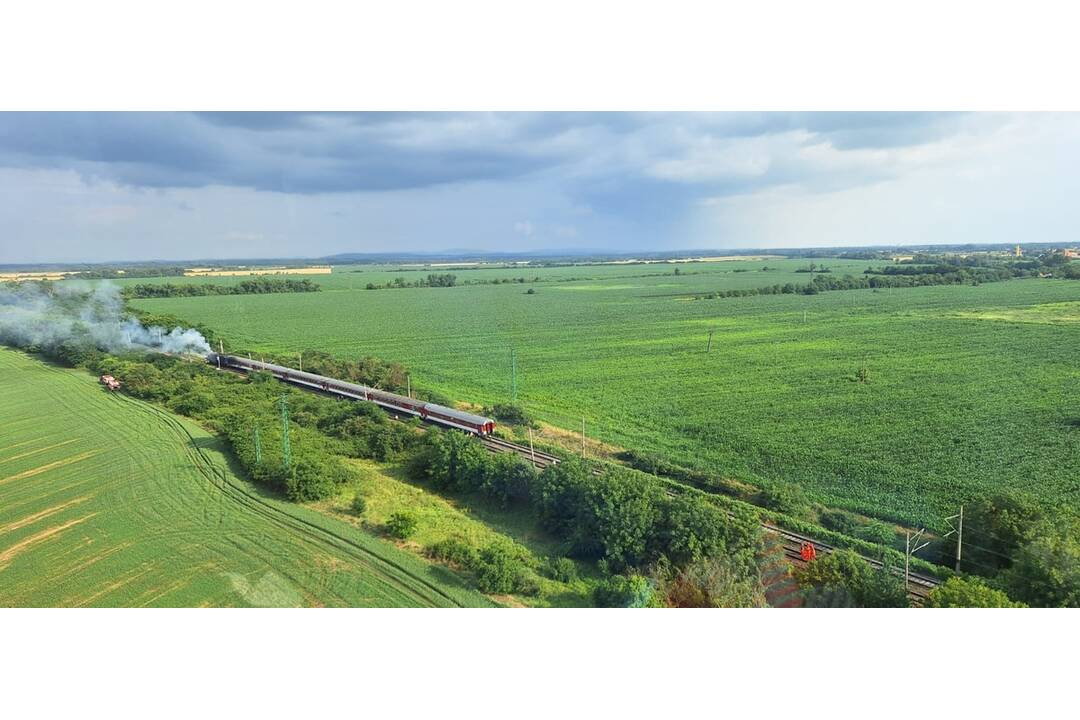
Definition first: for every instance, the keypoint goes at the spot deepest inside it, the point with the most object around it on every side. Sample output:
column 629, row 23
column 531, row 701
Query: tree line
column 254, row 286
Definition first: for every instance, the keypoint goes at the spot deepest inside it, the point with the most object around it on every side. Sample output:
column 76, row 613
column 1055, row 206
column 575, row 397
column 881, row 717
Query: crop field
column 107, row 501
column 966, row 388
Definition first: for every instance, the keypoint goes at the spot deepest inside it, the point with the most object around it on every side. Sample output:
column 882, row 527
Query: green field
column 108, row 501
column 971, row 388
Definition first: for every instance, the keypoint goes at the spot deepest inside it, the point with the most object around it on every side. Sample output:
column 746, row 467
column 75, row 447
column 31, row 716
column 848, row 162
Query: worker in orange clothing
column 808, row 552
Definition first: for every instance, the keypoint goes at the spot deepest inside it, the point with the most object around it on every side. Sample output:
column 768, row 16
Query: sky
column 101, row 187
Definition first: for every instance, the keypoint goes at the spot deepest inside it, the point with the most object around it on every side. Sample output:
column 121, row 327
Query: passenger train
column 431, row 412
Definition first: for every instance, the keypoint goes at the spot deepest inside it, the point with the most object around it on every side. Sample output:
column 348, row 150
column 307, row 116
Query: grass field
column 971, row 388
column 107, row 501
column 471, row 520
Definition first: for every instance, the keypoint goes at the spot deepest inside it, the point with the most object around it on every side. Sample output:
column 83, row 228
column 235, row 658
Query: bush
column 509, row 414
column 359, row 505
column 314, row 477
column 714, row 582
column 844, row 574
column 402, row 525
column 876, row 532
column 961, row 592
column 1046, row 572
column 507, row 478
column 562, row 569
column 454, row 552
column 839, row 521
column 526, row 582
column 785, row 498
column 497, row 569
column 620, row 591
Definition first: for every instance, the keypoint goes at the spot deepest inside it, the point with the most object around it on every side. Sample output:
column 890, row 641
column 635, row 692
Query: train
column 439, row 414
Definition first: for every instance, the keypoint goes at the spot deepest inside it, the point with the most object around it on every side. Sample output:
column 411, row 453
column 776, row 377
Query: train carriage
column 392, row 402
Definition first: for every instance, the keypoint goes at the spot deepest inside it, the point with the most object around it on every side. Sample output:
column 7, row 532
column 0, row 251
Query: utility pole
column 709, row 346
column 582, row 437
column 258, row 447
column 301, row 356
column 513, row 376
column 286, row 454
column 221, row 346
column 408, row 386
column 959, row 530
column 532, row 451
column 911, row 546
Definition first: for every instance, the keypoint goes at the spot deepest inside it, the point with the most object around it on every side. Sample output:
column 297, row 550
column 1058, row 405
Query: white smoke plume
column 89, row 314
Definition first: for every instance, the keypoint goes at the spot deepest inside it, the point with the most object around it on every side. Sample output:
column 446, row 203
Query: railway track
column 919, row 586
column 538, row 458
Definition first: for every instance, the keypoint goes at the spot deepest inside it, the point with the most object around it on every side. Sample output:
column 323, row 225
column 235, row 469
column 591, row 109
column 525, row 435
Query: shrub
column 314, row 477
column 621, row 591
column 785, row 498
column 1046, row 572
column 509, row 413
column 454, row 552
column 562, row 569
column 844, row 574
column 402, row 524
column 455, row 461
column 526, row 582
column 359, row 505
column 714, row 582
column 507, row 478
column 960, row 592
column 876, row 532
column 862, row 375
column 496, row 569
column 839, row 521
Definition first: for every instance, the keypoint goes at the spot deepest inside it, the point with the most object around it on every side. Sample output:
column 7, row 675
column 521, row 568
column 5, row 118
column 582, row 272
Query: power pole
column 709, row 346
column 286, row 454
column 408, row 386
column 911, row 546
column 258, row 447
column 532, row 451
column 582, row 437
column 959, row 530
column 221, row 346
column 513, row 376
column 301, row 356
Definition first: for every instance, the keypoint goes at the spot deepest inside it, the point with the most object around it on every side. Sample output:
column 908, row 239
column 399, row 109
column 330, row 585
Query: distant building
column 1019, row 252
column 1071, row 253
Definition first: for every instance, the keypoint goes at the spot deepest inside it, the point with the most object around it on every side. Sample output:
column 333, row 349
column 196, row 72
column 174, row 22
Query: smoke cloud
column 87, row 314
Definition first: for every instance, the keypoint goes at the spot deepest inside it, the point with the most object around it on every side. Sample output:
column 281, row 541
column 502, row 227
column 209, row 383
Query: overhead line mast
column 286, row 453
column 959, row 530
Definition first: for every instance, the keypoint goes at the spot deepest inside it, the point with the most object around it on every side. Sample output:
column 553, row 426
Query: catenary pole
column 286, row 454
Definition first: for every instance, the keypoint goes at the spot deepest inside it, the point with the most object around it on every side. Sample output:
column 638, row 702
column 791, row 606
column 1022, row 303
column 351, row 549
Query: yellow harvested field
column 20, row 276
column 207, row 272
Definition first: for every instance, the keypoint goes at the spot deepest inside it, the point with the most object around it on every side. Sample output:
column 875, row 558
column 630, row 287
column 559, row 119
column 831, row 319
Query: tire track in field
column 306, row 530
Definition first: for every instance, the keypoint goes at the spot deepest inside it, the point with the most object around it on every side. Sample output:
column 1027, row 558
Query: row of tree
column 254, row 286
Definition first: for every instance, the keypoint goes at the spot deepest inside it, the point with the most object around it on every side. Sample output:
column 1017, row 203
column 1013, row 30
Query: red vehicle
column 110, row 382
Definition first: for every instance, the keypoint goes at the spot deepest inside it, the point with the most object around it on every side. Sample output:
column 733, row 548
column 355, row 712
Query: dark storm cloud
column 311, row 153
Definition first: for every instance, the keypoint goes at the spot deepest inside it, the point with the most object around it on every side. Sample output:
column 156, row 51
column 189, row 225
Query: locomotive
column 440, row 414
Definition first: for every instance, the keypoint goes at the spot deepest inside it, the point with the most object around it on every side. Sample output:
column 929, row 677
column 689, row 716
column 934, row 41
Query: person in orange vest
column 808, row 551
